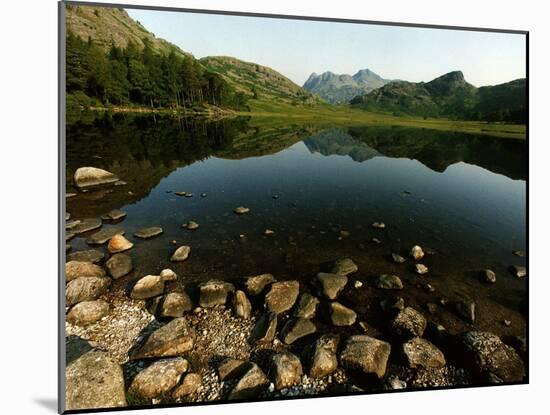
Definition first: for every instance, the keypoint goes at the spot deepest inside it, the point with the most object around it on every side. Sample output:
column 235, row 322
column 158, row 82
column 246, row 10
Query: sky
column 297, row 48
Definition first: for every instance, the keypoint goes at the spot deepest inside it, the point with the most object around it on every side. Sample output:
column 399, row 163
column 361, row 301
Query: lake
column 319, row 189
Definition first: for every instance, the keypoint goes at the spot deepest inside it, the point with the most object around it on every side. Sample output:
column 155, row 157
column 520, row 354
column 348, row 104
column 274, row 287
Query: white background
column 28, row 163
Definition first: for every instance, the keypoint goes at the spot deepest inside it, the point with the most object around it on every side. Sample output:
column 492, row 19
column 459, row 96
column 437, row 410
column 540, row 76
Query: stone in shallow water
column 366, row 354
column 94, row 381
column 489, row 276
column 88, row 312
column 176, row 304
column 159, row 378
column 86, row 289
column 307, row 306
column 214, row 292
column 419, row 352
column 150, row 232
column 91, row 255
column 241, row 210
column 147, row 287
column 241, row 305
column 398, row 259
column 87, row 225
column 77, row 269
column 191, row 225
column 168, row 275
column 331, row 284
column 256, row 284
column 296, row 329
column 71, row 224
column 86, row 177
column 265, row 328
column 104, row 235
column 173, row 339
column 389, row 282
column 286, row 370
column 379, row 225
column 421, row 269
column 115, row 214
column 181, row 254
column 519, row 271
column 409, row 323
column 417, row 253
column 322, row 356
column 344, row 266
column 519, row 253
column 341, row 315
column 250, row 385
column 119, row 243
column 282, row 296
column 119, row 265
column 466, row 310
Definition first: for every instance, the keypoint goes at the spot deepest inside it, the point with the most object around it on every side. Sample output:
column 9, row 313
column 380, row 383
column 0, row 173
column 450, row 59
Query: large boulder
column 77, row 269
column 286, row 370
column 420, row 352
column 409, row 323
column 118, row 243
column 256, row 284
column 341, row 315
column 250, row 385
column 282, row 296
column 296, row 329
column 307, row 306
column 87, row 177
column 147, row 287
column 265, row 328
column 172, row 339
column 88, row 312
column 366, row 354
column 322, row 356
column 86, row 289
column 331, row 284
column 485, row 353
column 175, row 304
column 119, row 265
column 94, row 381
column 344, row 266
column 241, row 305
column 104, row 235
column 159, row 378
column 214, row 292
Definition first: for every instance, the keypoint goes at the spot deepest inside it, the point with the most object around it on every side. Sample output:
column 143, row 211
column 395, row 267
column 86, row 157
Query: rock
column 389, row 282
column 180, row 193
column 519, row 253
column 366, row 354
column 69, row 236
column 67, row 216
column 69, row 195
column 214, row 293
column 94, row 381
column 392, row 304
column 115, row 214
column 86, row 177
column 91, row 255
column 241, row 305
column 488, row 276
column 331, row 284
column 341, row 315
column 379, row 225
column 88, row 312
column 376, row 241
column 181, row 254
column 233, row 368
column 286, row 370
column 120, row 183
column 147, row 287
column 87, row 225
column 394, row 383
column 269, row 232
column 150, row 232
column 408, row 323
column 250, row 384
column 507, row 323
column 419, row 352
column 119, row 265
column 264, row 329
column 296, row 329
column 159, row 378
column 398, row 259
column 344, row 234
column 173, row 339
column 322, row 356
column 71, row 224
column 307, row 306
column 256, row 284
column 282, row 296
column 77, row 269
column 175, row 304
column 417, row 253
column 188, row 194
column 191, row 225
column 203, row 195
column 357, row 284
column 119, row 243
column 86, row 289
column 466, row 310
column 168, row 275
column 344, row 266
column 487, row 354
column 190, row 384
column 421, row 269
column 519, row 271
column 241, row 210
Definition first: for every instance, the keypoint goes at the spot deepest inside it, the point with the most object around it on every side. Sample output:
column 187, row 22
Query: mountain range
column 341, row 88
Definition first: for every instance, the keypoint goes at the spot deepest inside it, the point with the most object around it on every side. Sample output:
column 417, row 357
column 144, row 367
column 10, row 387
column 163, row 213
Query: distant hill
column 257, row 81
column 448, row 96
column 341, row 88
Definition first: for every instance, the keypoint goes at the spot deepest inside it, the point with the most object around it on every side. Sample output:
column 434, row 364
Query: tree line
column 140, row 76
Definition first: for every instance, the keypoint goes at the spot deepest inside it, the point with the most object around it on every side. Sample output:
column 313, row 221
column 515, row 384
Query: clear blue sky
column 298, row 48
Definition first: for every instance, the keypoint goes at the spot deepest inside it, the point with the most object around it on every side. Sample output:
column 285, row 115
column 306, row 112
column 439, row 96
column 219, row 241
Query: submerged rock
column 175, row 304
column 241, row 210
column 86, row 289
column 77, row 269
column 91, row 255
column 250, row 385
column 466, row 310
column 296, row 329
column 282, row 296
column 366, row 354
column 417, row 253
column 181, row 254
column 398, row 259
column 94, row 381
column 87, row 177
column 147, row 287
column 214, row 292
column 159, row 378
column 322, row 356
column 286, row 370
column 307, row 306
column 488, row 276
column 191, row 225
column 173, row 339
column 341, row 315
column 115, row 214
column 88, row 312
column 264, row 329
column 256, row 284
column 344, row 266
column 519, row 271
column 421, row 353
column 389, row 282
column 409, row 323
column 379, row 225
column 519, row 253
column 150, row 232
column 118, row 243
column 86, row 225
column 241, row 305
column 331, row 284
